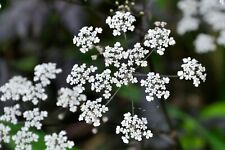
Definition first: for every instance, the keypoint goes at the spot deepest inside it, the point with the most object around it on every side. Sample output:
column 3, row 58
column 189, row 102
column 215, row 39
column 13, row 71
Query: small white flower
column 158, row 39
column 113, row 55
column 187, row 24
column 192, row 70
column 92, row 111
column 204, row 43
column 4, row 134
column 86, row 38
column 121, row 22
column 155, row 86
column 19, row 88
column 44, row 72
column 24, row 139
column 16, row 88
column 80, row 75
column 134, row 128
column 34, row 118
column 136, row 56
column 58, row 141
column 103, row 82
column 188, row 7
column 71, row 98
column 11, row 113
column 124, row 75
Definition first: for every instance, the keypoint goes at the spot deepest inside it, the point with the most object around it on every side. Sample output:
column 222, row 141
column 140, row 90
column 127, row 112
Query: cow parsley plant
column 121, row 64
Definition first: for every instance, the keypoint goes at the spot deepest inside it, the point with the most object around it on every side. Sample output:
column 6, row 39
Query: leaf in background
column 214, row 141
column 161, row 3
column 214, row 110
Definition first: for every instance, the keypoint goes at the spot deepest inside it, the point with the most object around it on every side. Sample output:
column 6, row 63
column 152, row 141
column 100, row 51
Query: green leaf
column 214, row 110
column 215, row 142
column 162, row 3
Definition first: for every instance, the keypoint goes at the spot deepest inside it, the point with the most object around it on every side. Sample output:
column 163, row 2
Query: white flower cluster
column 86, row 38
column 121, row 22
column 92, row 111
column 222, row 2
column 10, row 114
column 19, row 88
column 113, row 55
column 126, row 61
column 45, row 72
column 159, row 38
column 124, row 75
column 192, row 70
column 81, row 74
column 71, row 98
column 121, row 65
column 133, row 127
column 210, row 12
column 4, row 134
column 204, row 43
column 189, row 22
column 103, row 82
column 155, row 86
column 58, row 141
column 34, row 118
column 136, row 56
column 24, row 139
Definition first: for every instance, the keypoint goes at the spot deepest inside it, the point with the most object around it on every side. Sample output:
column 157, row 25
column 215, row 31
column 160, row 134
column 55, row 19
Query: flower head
column 58, row 141
column 159, row 38
column 34, row 118
column 102, row 82
column 86, row 38
column 81, row 74
column 92, row 111
column 24, row 139
column 192, row 70
column 133, row 127
column 155, row 86
column 4, row 134
column 121, row 22
column 17, row 87
column 11, row 113
column 44, row 72
column 113, row 55
column 71, row 98
column 204, row 43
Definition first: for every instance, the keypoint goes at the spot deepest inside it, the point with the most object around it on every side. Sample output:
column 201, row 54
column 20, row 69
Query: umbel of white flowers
column 20, row 89
column 206, row 12
column 120, row 70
